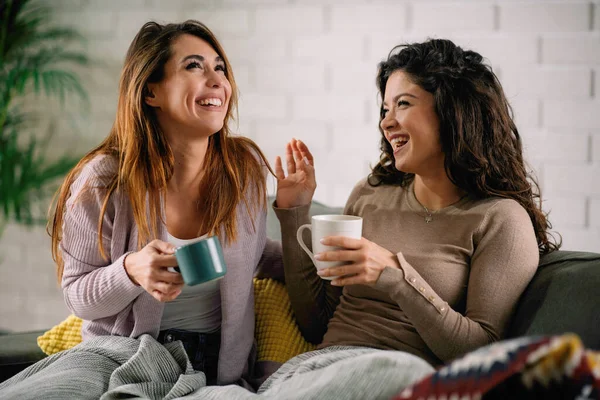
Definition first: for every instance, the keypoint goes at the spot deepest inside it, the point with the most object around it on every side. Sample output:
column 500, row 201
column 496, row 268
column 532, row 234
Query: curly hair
column 480, row 141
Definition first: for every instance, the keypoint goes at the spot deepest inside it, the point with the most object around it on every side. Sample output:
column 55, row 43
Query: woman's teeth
column 210, row 102
column 398, row 142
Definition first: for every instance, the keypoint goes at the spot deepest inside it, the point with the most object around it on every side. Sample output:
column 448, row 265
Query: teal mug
column 201, row 261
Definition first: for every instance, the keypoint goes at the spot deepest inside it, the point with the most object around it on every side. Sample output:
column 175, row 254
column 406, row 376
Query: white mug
column 329, row 225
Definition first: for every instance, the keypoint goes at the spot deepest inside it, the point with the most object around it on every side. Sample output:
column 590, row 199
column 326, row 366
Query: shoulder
column 364, row 193
column 99, row 171
column 360, row 187
column 496, row 209
column 504, row 216
column 355, row 194
column 94, row 178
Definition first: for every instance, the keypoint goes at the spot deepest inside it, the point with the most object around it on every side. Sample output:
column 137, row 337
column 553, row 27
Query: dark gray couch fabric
column 17, row 352
column 564, row 296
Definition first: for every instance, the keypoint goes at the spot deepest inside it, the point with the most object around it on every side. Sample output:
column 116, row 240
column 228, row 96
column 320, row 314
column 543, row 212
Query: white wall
column 306, row 69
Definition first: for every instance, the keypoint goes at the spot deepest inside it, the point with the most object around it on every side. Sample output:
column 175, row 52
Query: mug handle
column 301, row 242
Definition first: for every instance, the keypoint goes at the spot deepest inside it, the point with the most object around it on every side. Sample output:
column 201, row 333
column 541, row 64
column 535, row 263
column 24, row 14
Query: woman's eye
column 402, row 103
column 220, row 68
column 384, row 113
column 193, row 64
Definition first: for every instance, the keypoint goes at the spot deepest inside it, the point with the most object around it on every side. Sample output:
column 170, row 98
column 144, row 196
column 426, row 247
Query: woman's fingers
column 279, row 168
column 297, row 155
column 164, row 275
column 289, row 158
column 305, row 152
column 164, row 297
column 342, row 241
column 161, row 260
column 343, row 270
column 165, row 291
column 167, row 288
column 339, row 255
column 162, row 247
column 348, row 280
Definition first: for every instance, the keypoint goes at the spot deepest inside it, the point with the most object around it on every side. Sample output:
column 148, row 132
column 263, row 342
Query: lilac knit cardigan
column 101, row 293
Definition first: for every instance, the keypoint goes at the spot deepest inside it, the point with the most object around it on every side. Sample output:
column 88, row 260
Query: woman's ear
column 149, row 96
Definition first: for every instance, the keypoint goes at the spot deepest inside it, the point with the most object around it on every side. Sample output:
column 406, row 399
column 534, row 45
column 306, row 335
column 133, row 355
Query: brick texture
column 444, row 17
column 571, row 49
column 573, row 16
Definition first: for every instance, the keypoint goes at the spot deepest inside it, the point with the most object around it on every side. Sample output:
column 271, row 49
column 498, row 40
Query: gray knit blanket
column 117, row 368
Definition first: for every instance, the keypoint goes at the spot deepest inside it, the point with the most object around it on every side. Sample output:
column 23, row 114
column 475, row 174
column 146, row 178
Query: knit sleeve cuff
column 406, row 284
column 291, row 218
column 121, row 278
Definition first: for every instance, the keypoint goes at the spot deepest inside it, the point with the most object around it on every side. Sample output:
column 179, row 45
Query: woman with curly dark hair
column 452, row 225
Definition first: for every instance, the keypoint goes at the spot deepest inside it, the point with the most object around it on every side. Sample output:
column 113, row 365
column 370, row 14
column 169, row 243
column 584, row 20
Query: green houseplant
column 37, row 60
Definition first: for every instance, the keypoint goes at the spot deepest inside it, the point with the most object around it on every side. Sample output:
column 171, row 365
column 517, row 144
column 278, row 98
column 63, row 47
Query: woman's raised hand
column 148, row 268
column 298, row 187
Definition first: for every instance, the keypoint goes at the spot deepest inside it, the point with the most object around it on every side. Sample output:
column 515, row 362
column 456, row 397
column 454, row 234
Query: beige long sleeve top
column 459, row 280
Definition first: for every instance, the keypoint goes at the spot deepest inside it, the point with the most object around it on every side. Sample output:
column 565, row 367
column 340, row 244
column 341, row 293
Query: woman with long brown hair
column 170, row 172
column 452, row 220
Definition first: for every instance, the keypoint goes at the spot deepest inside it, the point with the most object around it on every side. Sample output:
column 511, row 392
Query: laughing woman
column 168, row 173
column 452, row 226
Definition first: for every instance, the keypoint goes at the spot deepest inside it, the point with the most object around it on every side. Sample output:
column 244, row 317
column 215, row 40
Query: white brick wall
column 437, row 17
column 571, row 49
column 596, row 148
column 292, row 78
column 555, row 146
column 596, row 22
column 546, row 81
column 306, row 69
column 369, row 18
column 572, row 114
column 278, row 20
column 524, row 16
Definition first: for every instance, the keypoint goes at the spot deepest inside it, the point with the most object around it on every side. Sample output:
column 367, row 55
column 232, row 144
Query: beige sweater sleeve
column 505, row 260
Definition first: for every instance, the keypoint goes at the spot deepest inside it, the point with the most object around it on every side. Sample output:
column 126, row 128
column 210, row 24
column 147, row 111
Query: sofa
column 563, row 297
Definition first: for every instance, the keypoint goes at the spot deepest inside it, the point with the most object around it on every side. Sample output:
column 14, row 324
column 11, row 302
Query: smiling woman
column 449, row 213
column 169, row 173
column 192, row 97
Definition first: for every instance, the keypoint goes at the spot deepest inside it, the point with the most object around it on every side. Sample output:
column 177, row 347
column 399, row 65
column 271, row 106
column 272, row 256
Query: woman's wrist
column 127, row 263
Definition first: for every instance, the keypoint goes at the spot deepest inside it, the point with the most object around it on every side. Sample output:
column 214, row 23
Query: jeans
column 201, row 348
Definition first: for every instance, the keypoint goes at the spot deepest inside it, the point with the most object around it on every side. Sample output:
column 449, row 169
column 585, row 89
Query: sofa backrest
column 563, row 296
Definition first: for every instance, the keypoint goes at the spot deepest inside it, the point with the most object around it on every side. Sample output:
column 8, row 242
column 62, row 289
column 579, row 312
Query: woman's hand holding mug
column 298, row 187
column 148, row 268
column 362, row 261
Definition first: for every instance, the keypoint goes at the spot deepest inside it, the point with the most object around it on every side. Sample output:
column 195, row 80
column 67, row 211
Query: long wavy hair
column 480, row 141
column 145, row 159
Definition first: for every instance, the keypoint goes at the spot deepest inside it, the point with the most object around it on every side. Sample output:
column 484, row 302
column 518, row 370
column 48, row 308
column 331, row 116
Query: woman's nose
column 388, row 122
column 215, row 79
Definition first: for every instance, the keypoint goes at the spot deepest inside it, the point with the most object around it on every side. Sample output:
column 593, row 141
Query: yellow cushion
column 277, row 334
column 62, row 337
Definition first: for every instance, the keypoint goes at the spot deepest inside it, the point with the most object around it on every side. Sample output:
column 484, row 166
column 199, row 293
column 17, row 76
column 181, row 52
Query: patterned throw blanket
column 117, row 367
column 544, row 367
